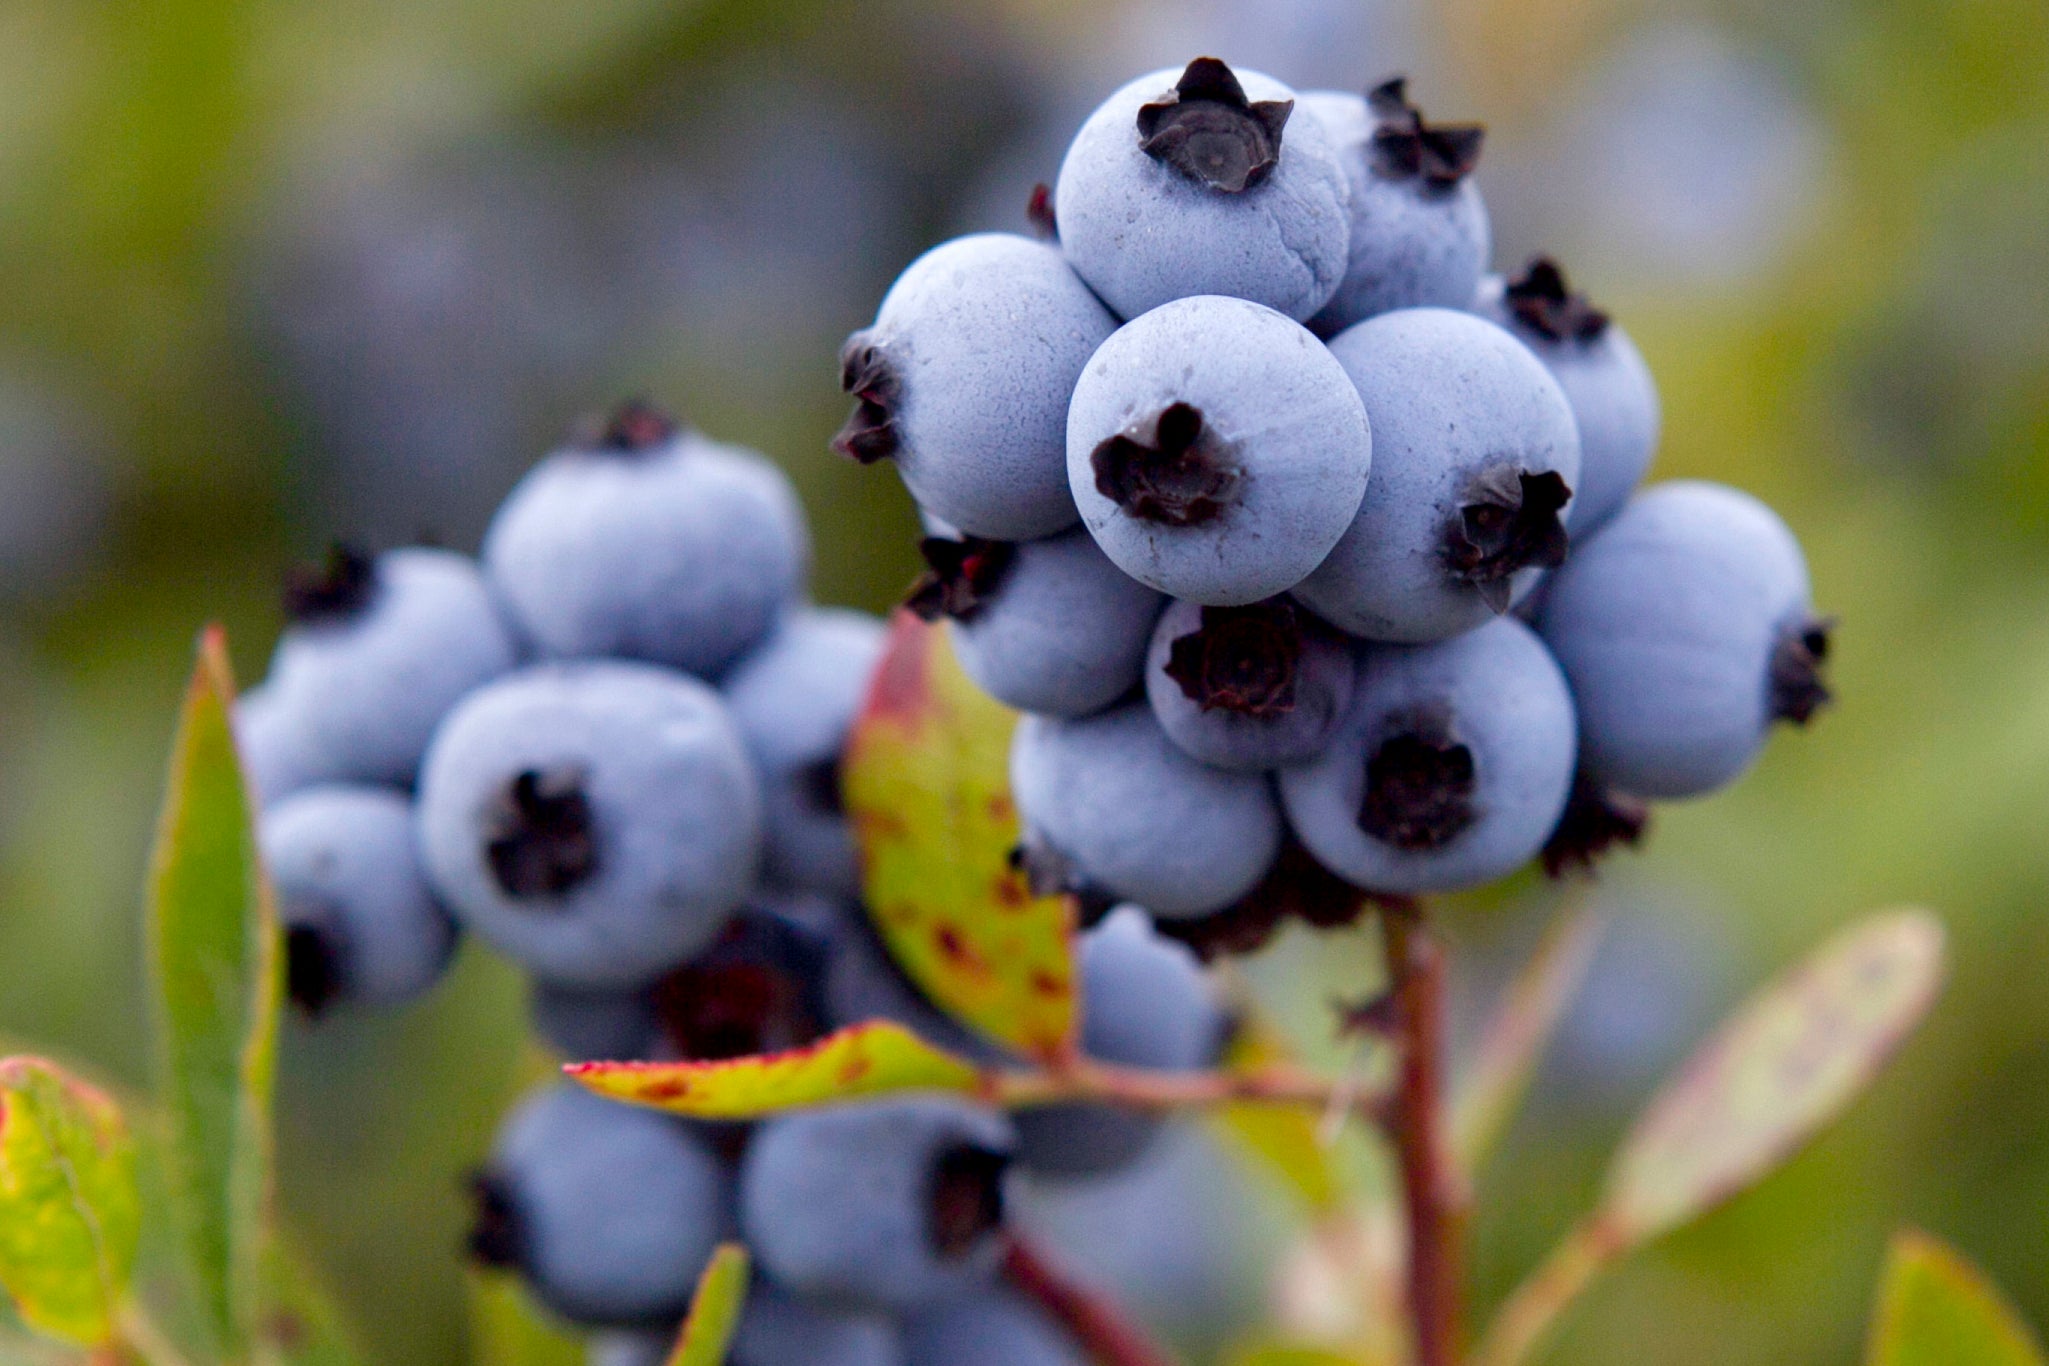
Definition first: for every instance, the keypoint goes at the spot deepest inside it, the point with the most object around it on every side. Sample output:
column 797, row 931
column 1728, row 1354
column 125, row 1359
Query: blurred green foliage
column 1883, row 379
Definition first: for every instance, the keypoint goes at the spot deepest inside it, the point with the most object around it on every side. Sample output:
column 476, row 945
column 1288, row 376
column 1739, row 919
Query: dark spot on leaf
column 865, row 372
column 540, row 841
column 314, row 973
column 1241, row 659
column 1596, row 820
column 961, row 576
column 1508, row 521
column 1419, row 783
column 1797, row 689
column 1207, row 130
column 635, row 427
column 966, row 1198
column 1542, row 301
column 1406, row 147
column 1039, row 212
column 497, row 1235
column 1169, row 468
column 336, row 589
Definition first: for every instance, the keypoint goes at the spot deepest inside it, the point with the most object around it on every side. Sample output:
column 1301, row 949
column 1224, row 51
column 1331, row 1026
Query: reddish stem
column 1432, row 1187
column 1105, row 1334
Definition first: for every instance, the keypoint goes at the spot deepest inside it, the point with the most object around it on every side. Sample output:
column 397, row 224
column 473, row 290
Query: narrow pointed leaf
column 505, row 1330
column 1516, row 1038
column 1936, row 1309
column 927, row 784
column 1286, row 1354
column 69, row 1212
column 213, row 954
column 863, row 1060
column 1282, row 1141
column 714, row 1310
column 1774, row 1075
column 301, row 1322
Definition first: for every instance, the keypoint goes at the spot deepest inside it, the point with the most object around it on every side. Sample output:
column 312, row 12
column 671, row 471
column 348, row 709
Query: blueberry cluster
column 609, row 747
column 1314, row 552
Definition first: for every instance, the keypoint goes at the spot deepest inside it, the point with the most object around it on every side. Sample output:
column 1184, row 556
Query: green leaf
column 1774, row 1075
column 863, row 1060
column 69, row 1212
column 1519, row 1033
column 927, row 786
column 1286, row 1354
column 1282, row 1141
column 505, row 1330
column 1936, row 1309
column 302, row 1323
column 714, row 1310
column 213, row 953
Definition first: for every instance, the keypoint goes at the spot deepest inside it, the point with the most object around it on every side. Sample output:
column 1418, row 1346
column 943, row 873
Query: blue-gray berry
column 360, row 923
column 1474, row 461
column 1145, row 1002
column 994, row 1327
column 1251, row 688
column 794, row 700
column 781, row 1329
column 963, row 382
column 1614, row 400
column 1686, row 628
column 1419, row 231
column 608, row 1212
column 583, row 1024
column 596, row 821
column 1217, row 450
column 1201, row 182
column 644, row 541
column 1043, row 626
column 1111, row 805
column 376, row 653
column 894, row 1203
column 1450, row 770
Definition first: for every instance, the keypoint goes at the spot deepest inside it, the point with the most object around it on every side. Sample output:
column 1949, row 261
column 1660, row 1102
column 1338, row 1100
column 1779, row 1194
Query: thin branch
column 1536, row 1305
column 1143, row 1089
column 1109, row 1338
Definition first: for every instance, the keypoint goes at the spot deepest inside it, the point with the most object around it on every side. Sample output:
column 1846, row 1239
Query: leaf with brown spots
column 871, row 1059
column 927, row 784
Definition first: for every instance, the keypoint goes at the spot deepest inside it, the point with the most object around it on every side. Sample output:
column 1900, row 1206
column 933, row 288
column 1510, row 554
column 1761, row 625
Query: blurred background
column 271, row 274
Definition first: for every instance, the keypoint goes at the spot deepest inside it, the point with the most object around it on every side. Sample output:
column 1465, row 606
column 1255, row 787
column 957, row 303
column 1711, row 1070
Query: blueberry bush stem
column 1097, row 1324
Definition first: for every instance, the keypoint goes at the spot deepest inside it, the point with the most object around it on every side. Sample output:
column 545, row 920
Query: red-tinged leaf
column 863, row 1060
column 1936, row 1309
column 714, row 1309
column 927, row 784
column 1774, row 1075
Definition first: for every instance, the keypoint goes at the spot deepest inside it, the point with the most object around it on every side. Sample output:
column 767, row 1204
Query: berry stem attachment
column 1433, row 1188
column 1105, row 1334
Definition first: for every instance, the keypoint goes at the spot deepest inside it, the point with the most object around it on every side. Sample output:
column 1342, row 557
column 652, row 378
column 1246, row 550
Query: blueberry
column 608, row 1212
column 1217, row 450
column 963, row 382
column 1686, row 628
column 277, row 752
column 359, row 921
column 1474, row 459
column 376, row 653
column 1419, row 230
column 1044, row 626
column 632, row 1346
column 1614, row 400
column 1110, row 803
column 893, row 1203
column 995, row 1327
column 616, row 1024
column 1200, row 182
column 794, row 700
column 643, row 541
column 1450, row 770
column 781, row 1329
column 1247, row 687
column 1145, row 1002
column 595, row 821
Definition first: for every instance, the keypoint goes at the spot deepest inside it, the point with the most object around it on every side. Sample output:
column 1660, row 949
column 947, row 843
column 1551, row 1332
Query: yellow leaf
column 1282, row 1140
column 870, row 1059
column 927, row 785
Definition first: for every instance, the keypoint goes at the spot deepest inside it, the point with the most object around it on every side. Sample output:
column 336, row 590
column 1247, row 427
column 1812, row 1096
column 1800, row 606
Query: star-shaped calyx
column 865, row 372
column 1797, row 689
column 635, row 427
column 1207, row 130
column 1420, row 783
column 1241, row 659
column 1169, row 468
column 1541, row 300
column 541, row 840
column 1405, row 146
column 1507, row 521
column 960, row 576
column 336, row 589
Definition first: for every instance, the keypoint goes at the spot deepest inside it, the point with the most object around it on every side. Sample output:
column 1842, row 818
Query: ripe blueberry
column 994, row 1327
column 1247, row 687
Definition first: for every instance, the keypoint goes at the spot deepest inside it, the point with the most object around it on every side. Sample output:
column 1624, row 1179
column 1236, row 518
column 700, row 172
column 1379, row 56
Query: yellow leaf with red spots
column 928, row 788
column 864, row 1060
